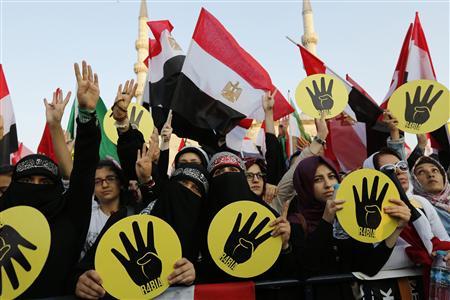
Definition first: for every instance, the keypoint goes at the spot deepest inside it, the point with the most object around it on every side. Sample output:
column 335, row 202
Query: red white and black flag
column 220, row 83
column 164, row 64
column 9, row 143
column 415, row 63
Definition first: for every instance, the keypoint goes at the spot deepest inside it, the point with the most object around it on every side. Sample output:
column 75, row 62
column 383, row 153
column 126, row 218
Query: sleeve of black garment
column 88, row 261
column 316, row 250
column 81, row 186
column 128, row 144
column 368, row 259
column 274, row 157
column 163, row 165
column 414, row 156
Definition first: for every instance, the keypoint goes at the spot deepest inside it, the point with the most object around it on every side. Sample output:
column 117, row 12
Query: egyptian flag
column 9, row 143
column 415, row 63
column 21, row 152
column 354, row 127
column 220, row 83
column 223, row 291
column 164, row 64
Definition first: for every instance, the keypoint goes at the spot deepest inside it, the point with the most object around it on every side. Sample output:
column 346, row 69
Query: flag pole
column 292, row 41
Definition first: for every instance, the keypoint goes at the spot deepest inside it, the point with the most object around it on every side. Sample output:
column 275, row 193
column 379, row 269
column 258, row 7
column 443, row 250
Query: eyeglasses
column 251, row 176
column 401, row 165
column 108, row 179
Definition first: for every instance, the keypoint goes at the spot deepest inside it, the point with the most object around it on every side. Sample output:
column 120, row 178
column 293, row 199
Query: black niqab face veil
column 47, row 198
column 182, row 209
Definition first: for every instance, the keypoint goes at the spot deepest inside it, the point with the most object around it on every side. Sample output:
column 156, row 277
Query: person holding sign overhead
column 325, row 247
column 36, row 182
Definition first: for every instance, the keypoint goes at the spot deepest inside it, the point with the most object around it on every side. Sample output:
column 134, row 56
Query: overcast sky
column 40, row 41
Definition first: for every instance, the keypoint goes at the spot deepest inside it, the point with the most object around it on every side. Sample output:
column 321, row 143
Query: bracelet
column 319, row 140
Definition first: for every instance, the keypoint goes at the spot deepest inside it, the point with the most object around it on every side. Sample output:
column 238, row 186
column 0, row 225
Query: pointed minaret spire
column 309, row 38
column 142, row 51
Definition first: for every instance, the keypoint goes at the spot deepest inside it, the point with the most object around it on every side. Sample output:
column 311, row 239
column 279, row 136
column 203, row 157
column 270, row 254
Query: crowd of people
column 83, row 196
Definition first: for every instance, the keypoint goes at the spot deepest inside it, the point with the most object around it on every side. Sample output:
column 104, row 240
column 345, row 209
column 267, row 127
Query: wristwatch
column 319, row 140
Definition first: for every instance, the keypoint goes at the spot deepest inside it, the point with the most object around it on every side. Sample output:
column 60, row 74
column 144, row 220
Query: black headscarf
column 47, row 198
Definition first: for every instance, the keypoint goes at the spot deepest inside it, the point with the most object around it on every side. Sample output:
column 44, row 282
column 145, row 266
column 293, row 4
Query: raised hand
column 10, row 240
column 144, row 162
column 88, row 91
column 321, row 98
column 123, row 99
column 368, row 207
column 418, row 111
column 54, row 111
column 269, row 100
column 166, row 132
column 143, row 264
column 241, row 244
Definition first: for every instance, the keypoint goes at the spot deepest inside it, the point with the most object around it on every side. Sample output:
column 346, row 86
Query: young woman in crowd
column 324, row 248
column 36, row 182
column 430, row 181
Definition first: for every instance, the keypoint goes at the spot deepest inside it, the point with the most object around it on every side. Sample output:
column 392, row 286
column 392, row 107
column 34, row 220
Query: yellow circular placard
column 420, row 106
column 239, row 239
column 135, row 257
column 321, row 93
column 24, row 247
column 366, row 192
column 138, row 116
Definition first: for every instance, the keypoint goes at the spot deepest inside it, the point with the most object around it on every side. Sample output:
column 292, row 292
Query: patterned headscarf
column 441, row 200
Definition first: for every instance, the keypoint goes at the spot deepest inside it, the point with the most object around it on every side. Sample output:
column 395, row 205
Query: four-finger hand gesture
column 368, row 206
column 123, row 99
column 88, row 91
column 143, row 264
column 321, row 98
column 10, row 240
column 54, row 111
column 144, row 162
column 241, row 244
column 418, row 110
column 269, row 100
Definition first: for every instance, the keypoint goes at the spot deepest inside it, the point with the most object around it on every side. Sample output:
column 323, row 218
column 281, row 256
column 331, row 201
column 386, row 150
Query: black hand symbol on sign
column 321, row 99
column 10, row 240
column 368, row 207
column 240, row 245
column 418, row 111
column 133, row 120
column 143, row 264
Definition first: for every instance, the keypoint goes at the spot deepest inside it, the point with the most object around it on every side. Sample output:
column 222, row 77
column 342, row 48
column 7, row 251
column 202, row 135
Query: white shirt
column 98, row 220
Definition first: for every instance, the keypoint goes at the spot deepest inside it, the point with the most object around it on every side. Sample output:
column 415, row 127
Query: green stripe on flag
column 107, row 148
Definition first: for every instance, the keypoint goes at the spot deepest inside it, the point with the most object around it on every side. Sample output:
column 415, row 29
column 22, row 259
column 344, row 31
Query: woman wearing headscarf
column 431, row 182
column 326, row 249
column 228, row 184
column 36, row 182
column 425, row 233
column 179, row 204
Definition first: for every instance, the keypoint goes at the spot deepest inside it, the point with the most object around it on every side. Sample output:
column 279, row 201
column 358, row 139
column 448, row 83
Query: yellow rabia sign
column 136, row 255
column 239, row 239
column 366, row 192
column 139, row 117
column 321, row 94
column 420, row 106
column 25, row 240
